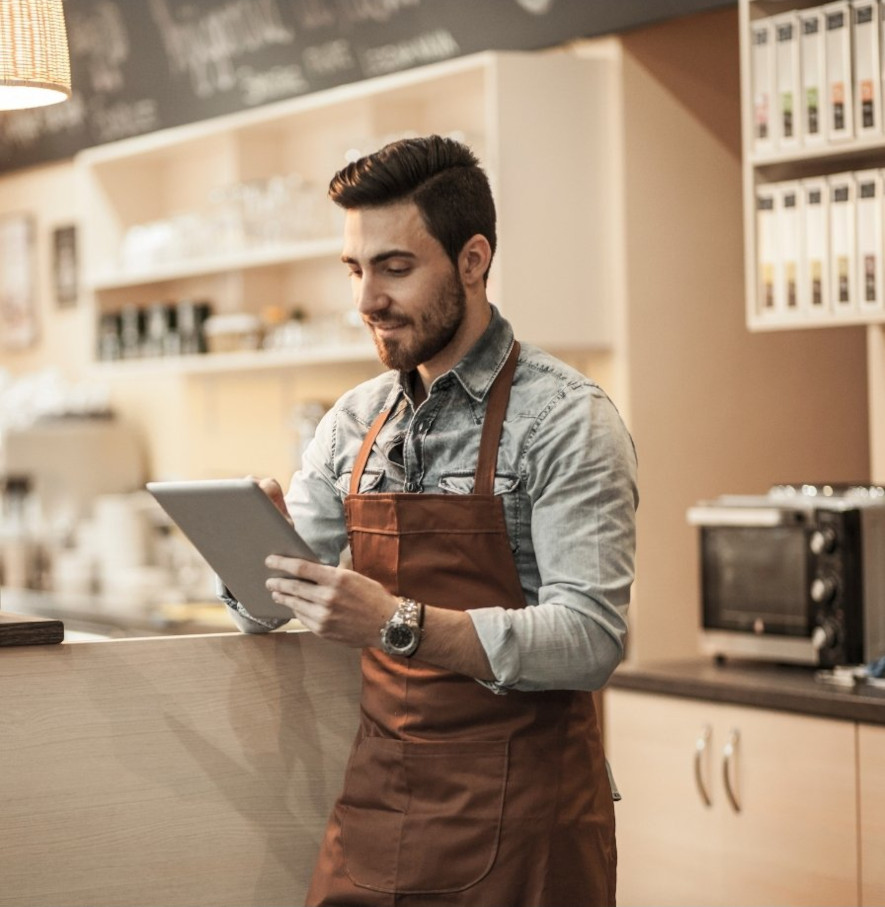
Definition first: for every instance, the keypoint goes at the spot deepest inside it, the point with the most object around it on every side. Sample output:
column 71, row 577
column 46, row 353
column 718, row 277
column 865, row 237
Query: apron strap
column 499, row 397
column 365, row 450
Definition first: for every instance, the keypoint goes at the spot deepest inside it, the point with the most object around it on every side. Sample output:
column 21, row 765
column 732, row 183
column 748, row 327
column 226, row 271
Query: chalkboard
column 142, row 65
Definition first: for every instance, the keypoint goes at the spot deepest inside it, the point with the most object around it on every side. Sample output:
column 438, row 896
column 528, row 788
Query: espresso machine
column 52, row 471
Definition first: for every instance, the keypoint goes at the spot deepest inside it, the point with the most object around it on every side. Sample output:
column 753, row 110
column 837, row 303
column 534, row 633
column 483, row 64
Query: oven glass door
column 756, row 579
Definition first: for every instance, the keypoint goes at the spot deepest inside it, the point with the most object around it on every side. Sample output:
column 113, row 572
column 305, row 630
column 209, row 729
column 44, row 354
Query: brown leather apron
column 455, row 795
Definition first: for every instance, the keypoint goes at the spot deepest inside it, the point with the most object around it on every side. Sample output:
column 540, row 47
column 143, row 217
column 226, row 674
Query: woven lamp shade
column 35, row 68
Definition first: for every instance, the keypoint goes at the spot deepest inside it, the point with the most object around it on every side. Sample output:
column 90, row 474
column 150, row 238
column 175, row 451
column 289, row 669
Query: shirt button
column 411, row 486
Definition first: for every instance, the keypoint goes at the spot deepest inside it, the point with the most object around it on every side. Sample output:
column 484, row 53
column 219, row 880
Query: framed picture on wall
column 64, row 265
column 18, row 291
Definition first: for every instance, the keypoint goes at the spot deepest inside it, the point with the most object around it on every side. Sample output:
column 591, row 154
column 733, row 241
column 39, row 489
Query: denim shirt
column 566, row 472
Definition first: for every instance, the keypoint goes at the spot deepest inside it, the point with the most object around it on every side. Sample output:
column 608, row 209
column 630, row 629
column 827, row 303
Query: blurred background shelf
column 241, row 360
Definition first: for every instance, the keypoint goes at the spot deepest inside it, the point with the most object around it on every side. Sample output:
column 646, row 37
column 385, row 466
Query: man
column 487, row 493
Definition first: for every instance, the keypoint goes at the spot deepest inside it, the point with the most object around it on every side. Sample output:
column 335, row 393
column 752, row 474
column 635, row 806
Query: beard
column 432, row 330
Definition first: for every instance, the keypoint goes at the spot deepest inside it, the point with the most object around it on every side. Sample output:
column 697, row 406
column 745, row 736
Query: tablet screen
column 235, row 526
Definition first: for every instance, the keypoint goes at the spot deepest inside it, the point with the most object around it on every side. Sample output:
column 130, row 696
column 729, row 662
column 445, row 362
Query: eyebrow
column 380, row 257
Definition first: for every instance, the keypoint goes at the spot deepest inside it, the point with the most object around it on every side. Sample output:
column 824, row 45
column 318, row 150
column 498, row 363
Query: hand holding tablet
column 235, row 526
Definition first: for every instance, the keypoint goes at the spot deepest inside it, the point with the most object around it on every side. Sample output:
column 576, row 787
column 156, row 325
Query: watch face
column 400, row 636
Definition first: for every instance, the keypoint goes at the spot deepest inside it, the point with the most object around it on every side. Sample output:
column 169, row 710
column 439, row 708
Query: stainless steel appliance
column 794, row 575
column 70, row 460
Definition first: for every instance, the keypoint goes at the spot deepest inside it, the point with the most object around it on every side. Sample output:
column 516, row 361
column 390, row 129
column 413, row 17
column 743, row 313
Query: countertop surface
column 88, row 617
column 761, row 685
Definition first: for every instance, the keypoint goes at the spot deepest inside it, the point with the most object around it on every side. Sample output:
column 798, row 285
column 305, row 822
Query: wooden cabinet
column 234, row 210
column 731, row 805
column 798, row 272
column 871, row 774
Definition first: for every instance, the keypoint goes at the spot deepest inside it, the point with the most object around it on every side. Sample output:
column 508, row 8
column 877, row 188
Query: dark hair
column 441, row 176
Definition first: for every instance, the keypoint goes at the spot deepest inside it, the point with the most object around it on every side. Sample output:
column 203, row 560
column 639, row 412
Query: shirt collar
column 477, row 371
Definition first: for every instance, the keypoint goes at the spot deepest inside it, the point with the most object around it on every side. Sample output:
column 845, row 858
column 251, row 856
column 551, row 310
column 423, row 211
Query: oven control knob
column 823, row 541
column 825, row 635
column 823, row 589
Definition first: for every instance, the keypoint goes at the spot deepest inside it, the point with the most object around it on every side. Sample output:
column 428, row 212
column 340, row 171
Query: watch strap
column 409, row 613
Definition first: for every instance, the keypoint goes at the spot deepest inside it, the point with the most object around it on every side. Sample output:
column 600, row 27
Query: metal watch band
column 410, row 615
column 411, row 612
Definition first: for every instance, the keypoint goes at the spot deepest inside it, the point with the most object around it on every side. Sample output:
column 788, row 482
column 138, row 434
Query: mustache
column 385, row 319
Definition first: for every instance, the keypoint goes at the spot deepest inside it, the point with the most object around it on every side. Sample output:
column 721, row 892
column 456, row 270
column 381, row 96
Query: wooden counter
column 746, row 784
column 176, row 771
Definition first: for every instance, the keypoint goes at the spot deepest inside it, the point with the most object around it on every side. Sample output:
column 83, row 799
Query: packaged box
column 766, row 248
column 788, row 211
column 812, row 76
column 869, row 240
column 843, row 269
column 840, row 82
column 787, row 80
column 867, row 67
column 814, row 278
column 762, row 82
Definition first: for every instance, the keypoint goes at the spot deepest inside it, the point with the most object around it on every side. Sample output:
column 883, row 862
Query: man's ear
column 474, row 259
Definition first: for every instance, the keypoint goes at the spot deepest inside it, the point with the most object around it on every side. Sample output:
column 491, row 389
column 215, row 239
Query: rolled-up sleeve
column 580, row 476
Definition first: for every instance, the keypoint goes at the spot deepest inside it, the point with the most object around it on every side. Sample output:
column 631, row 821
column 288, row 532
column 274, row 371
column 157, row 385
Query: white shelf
column 246, row 259
column 247, row 360
column 487, row 99
column 820, row 153
column 787, row 323
column 772, row 167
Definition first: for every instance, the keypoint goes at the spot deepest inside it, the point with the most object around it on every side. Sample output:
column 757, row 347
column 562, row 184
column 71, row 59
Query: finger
column 301, row 598
column 272, row 488
column 299, row 568
column 286, row 590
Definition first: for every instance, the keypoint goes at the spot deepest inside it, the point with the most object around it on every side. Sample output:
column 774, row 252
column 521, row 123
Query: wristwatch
column 402, row 634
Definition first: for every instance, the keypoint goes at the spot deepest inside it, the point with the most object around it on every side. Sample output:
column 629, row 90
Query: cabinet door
column 794, row 840
column 871, row 763
column 792, row 837
column 669, row 849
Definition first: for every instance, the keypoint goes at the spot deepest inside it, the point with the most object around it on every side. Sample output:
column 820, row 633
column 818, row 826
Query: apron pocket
column 422, row 817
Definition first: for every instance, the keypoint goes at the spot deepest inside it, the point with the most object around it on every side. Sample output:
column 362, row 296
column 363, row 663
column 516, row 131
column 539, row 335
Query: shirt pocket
column 507, row 487
column 370, row 481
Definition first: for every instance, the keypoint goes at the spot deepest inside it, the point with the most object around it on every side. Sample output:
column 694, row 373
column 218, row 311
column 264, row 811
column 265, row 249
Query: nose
column 369, row 296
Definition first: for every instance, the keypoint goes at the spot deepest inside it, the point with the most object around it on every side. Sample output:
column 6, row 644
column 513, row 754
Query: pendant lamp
column 35, row 68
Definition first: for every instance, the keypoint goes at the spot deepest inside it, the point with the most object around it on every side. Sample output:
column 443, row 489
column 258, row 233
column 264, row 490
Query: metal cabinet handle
column 700, row 749
column 729, row 753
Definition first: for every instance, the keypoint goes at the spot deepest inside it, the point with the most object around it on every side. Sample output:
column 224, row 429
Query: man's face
column 404, row 285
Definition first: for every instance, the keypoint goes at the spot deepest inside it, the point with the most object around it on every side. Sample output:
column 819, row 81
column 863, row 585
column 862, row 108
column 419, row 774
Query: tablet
column 235, row 526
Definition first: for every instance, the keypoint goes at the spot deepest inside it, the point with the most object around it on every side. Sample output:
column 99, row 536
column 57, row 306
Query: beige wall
column 48, row 193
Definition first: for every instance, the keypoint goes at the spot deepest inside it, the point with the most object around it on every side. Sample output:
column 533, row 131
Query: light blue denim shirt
column 566, row 472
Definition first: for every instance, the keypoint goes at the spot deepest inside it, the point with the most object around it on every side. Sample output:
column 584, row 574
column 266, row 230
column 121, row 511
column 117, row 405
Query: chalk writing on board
column 358, row 11
column 261, row 86
column 30, row 126
column 125, row 118
column 142, row 65
column 536, row 7
column 329, row 59
column 428, row 47
column 99, row 40
column 208, row 46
